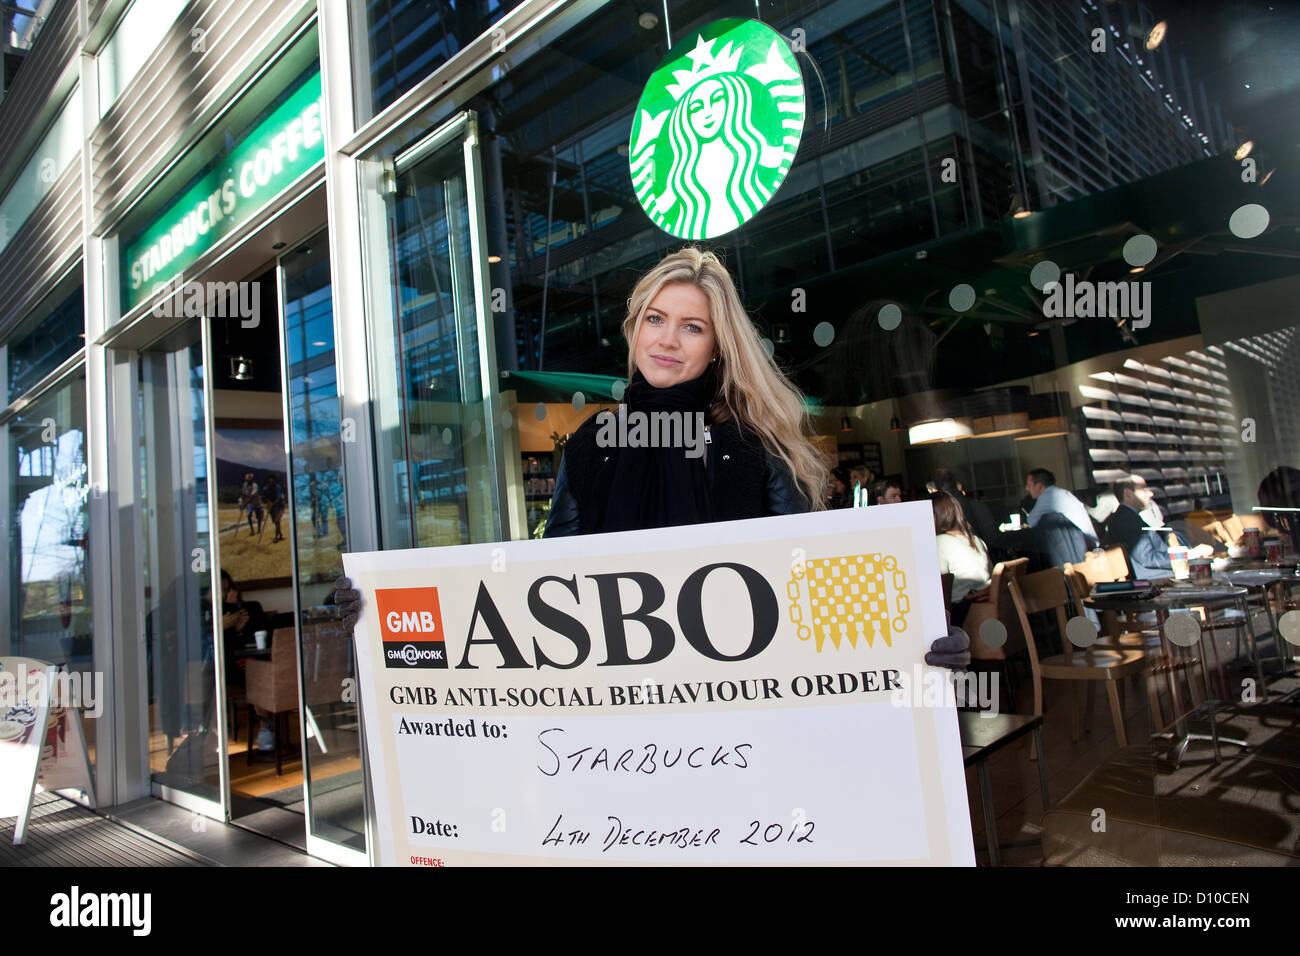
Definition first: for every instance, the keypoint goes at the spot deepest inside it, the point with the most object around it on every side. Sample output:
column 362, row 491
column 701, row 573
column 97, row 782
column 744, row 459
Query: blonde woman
column 694, row 354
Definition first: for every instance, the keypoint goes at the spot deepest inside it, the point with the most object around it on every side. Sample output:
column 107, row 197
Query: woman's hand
column 952, row 652
column 348, row 600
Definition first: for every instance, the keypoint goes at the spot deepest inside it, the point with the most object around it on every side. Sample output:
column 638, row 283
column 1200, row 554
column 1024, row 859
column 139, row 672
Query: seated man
column 1051, row 499
column 1147, row 549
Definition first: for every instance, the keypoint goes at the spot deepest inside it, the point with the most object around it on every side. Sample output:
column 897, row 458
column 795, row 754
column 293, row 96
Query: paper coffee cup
column 1201, row 570
column 1015, row 521
column 260, row 638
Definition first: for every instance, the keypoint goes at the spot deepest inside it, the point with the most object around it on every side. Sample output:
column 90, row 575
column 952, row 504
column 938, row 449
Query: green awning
column 560, row 386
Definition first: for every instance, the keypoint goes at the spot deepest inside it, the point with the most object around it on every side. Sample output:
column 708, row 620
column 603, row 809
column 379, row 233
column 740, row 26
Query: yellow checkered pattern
column 848, row 598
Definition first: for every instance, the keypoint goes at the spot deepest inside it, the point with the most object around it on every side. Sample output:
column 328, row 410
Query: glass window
column 435, row 433
column 178, row 625
column 406, row 40
column 45, row 340
column 61, row 145
column 50, row 612
column 137, row 35
column 993, row 254
column 333, row 769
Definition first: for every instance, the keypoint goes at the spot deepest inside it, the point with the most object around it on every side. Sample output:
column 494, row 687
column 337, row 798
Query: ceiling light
column 995, row 426
column 1136, row 269
column 319, row 344
column 241, row 369
column 494, row 258
column 1156, row 35
column 928, row 433
column 845, row 424
column 647, row 21
column 1244, row 150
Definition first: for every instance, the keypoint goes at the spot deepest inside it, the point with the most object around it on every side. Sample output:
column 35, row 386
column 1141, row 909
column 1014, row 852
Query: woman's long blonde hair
column 752, row 388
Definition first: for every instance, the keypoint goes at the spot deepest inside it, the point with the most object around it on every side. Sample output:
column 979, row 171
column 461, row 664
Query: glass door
column 184, row 713
column 333, row 784
column 438, row 433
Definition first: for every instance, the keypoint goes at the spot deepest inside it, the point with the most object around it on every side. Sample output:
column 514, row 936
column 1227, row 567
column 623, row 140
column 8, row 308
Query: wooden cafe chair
column 1046, row 591
column 998, row 608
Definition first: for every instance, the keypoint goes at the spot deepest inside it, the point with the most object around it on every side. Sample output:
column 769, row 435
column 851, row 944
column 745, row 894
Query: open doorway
column 293, row 747
column 250, row 469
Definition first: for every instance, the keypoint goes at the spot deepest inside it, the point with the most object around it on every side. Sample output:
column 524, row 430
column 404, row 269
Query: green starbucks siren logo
column 717, row 128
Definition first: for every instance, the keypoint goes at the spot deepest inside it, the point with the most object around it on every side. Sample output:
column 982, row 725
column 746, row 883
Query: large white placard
column 738, row 692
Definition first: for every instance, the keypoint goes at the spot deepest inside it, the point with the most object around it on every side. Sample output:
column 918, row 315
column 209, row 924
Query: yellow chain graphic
column 848, row 598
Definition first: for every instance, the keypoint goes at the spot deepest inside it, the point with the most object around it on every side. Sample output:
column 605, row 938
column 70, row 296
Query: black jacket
column 744, row 481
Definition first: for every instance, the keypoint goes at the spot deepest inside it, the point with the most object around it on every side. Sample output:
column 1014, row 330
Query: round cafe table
column 1260, row 582
column 1173, row 597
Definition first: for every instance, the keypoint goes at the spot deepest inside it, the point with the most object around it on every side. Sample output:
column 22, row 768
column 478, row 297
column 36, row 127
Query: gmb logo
column 410, row 622
column 854, row 597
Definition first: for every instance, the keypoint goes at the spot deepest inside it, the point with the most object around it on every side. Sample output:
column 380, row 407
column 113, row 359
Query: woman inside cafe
column 693, row 350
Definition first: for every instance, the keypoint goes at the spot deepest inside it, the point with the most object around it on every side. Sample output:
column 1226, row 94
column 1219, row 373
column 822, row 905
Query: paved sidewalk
column 63, row 833
column 146, row 832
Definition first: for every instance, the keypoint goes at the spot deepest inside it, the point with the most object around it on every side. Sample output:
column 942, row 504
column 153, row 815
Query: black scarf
column 660, row 487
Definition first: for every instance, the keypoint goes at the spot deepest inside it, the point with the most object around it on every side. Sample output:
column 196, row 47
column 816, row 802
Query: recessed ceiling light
column 647, row 21
column 1244, row 150
column 494, row 258
column 319, row 344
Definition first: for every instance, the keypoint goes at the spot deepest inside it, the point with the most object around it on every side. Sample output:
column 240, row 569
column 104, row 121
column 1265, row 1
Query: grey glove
column 348, row 600
column 952, row 652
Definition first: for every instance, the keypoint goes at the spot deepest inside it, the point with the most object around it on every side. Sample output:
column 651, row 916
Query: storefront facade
column 382, row 255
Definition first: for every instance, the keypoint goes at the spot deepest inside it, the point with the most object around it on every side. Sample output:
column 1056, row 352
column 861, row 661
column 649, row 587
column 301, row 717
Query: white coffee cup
column 1015, row 521
column 260, row 638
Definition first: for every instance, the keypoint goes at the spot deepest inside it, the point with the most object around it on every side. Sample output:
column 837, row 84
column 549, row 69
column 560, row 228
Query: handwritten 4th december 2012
column 619, row 832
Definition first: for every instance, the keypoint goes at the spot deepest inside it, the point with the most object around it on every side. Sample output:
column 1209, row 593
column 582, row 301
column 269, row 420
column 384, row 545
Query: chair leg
column 1074, row 710
column 1116, row 713
column 1089, row 708
column 251, row 717
column 279, row 754
column 1153, row 700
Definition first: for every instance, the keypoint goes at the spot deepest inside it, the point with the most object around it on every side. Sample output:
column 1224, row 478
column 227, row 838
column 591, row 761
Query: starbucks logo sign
column 716, row 129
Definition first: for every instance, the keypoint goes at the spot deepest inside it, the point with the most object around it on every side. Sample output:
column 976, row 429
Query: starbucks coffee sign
column 717, row 128
column 271, row 157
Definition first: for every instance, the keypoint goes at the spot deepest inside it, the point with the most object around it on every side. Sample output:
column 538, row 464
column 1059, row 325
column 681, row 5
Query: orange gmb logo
column 410, row 622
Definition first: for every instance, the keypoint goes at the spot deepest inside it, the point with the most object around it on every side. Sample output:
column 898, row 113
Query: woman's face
column 675, row 342
column 706, row 109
